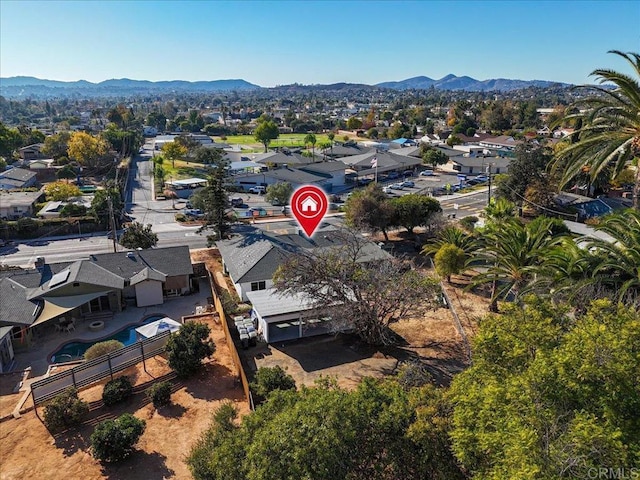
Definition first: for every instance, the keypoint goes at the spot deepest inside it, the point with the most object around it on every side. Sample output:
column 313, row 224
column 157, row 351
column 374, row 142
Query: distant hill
column 452, row 82
column 31, row 87
column 36, row 87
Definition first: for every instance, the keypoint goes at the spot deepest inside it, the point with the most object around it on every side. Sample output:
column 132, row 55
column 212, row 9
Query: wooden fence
column 95, row 370
column 215, row 289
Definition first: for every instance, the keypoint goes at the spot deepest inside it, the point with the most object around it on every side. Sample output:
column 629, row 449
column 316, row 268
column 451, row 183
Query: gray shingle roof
column 16, row 309
column 148, row 274
column 19, row 199
column 171, row 261
column 19, row 174
column 255, row 255
column 324, row 167
column 293, row 176
column 81, row 271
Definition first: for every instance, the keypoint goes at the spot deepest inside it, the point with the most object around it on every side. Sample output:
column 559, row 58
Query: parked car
column 482, row 178
column 408, row 184
column 392, row 176
column 257, row 212
column 396, row 186
column 407, row 173
column 193, row 212
column 258, row 189
column 426, row 173
column 237, row 201
column 387, row 190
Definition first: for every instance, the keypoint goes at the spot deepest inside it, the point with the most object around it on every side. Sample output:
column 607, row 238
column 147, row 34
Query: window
column 258, row 286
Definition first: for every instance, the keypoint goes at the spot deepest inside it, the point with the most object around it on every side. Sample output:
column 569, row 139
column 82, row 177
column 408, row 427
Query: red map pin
column 309, row 205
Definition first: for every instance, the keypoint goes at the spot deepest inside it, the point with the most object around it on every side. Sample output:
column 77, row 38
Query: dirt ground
column 8, row 397
column 27, row 450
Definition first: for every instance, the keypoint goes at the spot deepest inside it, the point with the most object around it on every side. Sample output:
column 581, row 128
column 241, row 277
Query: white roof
column 187, row 181
column 269, row 302
column 154, row 328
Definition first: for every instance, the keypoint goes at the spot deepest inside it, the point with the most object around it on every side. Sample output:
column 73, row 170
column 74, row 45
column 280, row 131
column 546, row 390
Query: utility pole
column 112, row 221
column 489, row 191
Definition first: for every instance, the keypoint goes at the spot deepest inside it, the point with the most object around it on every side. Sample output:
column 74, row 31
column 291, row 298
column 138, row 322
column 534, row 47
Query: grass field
column 284, row 140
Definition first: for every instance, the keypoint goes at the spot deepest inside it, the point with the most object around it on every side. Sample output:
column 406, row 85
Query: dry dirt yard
column 28, row 451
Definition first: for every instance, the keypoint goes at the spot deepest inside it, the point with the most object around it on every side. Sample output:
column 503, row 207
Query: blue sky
column 274, row 43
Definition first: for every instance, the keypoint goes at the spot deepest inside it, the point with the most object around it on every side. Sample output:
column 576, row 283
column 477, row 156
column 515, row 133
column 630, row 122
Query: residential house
column 502, row 142
column 31, row 152
column 17, row 179
column 334, row 172
column 102, row 284
column 15, row 205
column 40, row 163
column 252, row 256
column 52, row 209
column 296, row 177
column 405, row 142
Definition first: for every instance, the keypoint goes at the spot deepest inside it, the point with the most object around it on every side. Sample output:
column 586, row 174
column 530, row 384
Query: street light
column 489, row 175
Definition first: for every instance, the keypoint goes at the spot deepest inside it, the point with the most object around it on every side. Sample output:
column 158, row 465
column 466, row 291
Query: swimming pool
column 75, row 350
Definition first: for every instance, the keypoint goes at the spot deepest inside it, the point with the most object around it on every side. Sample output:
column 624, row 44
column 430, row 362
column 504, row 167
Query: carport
column 282, row 318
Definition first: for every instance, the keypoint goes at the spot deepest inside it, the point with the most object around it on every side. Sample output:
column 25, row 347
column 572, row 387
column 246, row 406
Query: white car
column 258, row 189
column 426, row 173
column 408, row 184
column 397, row 186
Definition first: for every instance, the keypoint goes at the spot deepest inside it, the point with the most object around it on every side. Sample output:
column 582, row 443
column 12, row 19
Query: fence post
column 73, row 378
column 109, row 362
column 35, row 405
column 144, row 364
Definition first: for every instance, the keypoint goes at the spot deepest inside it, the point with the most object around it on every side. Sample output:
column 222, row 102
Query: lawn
column 284, row 140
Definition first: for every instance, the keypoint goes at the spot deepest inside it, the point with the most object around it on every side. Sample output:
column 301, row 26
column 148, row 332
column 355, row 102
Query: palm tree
column 511, row 256
column 608, row 127
column 452, row 236
column 619, row 265
column 311, row 138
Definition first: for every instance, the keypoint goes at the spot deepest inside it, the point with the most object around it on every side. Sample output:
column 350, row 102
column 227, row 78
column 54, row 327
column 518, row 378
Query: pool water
column 75, row 350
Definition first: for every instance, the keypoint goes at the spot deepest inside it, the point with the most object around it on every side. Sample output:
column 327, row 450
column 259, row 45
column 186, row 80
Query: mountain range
column 451, row 82
column 15, row 87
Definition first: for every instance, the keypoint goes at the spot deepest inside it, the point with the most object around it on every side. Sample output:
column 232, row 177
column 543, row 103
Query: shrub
column 113, row 440
column 181, row 217
column 160, row 394
column 65, row 410
column 268, row 379
column 117, row 390
column 102, row 348
column 468, row 223
column 187, row 348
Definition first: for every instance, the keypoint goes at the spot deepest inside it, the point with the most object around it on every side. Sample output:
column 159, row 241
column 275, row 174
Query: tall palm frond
column 619, row 264
column 512, row 255
column 454, row 236
column 608, row 133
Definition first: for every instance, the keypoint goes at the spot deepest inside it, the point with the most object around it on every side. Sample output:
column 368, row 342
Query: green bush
column 113, row 440
column 117, row 390
column 268, row 379
column 160, row 394
column 187, row 348
column 65, row 410
column 102, row 348
column 181, row 217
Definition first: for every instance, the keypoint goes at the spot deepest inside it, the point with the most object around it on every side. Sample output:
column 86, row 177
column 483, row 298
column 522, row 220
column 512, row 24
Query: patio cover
column 56, row 306
column 154, row 328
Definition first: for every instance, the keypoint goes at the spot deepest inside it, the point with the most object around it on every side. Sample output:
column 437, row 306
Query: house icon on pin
column 309, row 205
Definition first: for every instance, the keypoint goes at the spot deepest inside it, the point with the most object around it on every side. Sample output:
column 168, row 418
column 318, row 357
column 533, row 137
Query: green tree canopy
column 378, row 431
column 61, row 191
column 57, row 145
column 266, row 131
column 87, row 149
column 528, row 168
column 138, row 235
column 187, row 348
column 449, row 260
column 173, row 151
column 415, row 210
column 370, row 209
column 279, row 193
column 549, row 395
column 434, row 157
column 100, row 205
